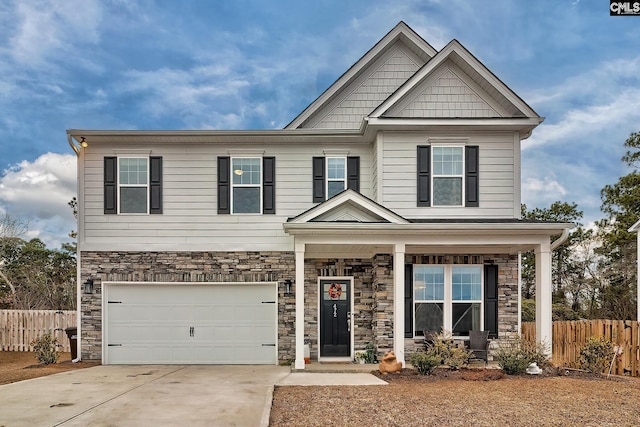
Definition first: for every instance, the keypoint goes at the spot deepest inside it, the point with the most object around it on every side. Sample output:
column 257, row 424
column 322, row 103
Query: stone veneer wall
column 507, row 289
column 177, row 267
column 363, row 304
column 373, row 289
column 383, row 308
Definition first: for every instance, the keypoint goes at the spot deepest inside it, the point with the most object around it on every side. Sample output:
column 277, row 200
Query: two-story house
column 389, row 207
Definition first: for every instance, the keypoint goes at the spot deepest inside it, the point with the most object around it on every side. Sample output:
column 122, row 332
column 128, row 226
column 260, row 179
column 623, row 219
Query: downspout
column 78, row 293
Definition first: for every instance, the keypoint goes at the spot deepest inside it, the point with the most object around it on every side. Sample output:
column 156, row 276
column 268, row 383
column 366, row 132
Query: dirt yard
column 19, row 365
column 464, row 398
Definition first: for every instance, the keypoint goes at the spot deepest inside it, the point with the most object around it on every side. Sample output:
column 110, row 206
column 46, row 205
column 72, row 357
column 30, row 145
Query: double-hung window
column 133, row 185
column 448, row 176
column 133, row 182
column 246, row 183
column 336, row 175
column 447, row 297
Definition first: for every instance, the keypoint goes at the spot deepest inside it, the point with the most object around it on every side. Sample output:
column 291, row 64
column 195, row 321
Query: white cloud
column 543, row 191
column 44, row 27
column 39, row 192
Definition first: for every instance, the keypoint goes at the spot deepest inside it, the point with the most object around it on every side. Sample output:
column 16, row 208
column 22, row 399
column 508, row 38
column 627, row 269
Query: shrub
column 46, row 349
column 444, row 348
column 514, row 356
column 596, row 355
column 370, row 353
column 424, row 362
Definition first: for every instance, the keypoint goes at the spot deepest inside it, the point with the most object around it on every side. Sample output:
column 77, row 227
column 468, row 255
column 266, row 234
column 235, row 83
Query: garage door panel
column 184, row 324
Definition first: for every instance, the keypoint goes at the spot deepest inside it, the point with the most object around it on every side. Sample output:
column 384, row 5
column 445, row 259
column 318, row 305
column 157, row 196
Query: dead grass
column 18, row 366
column 463, row 398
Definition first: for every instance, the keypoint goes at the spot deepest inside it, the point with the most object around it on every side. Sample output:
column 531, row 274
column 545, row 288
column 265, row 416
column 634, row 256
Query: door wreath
column 335, row 290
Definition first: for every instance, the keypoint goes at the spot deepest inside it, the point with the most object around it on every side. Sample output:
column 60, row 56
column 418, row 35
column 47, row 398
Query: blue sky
column 120, row 64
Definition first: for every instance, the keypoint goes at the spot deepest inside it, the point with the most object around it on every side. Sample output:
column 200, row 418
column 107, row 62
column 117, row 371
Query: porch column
column 544, row 291
column 398, row 302
column 299, row 249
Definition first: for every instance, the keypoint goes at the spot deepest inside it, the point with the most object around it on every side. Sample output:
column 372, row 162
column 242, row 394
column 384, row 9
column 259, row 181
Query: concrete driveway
column 144, row 395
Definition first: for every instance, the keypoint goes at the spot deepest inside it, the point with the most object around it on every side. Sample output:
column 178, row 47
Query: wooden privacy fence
column 570, row 336
column 18, row 328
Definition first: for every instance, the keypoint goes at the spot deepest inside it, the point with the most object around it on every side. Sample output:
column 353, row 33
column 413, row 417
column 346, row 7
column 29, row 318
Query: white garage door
column 216, row 324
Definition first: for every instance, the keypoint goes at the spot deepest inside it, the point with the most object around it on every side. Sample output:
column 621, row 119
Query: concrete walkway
column 136, row 395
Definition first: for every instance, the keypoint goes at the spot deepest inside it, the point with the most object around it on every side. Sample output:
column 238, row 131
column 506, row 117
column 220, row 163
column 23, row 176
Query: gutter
column 73, row 146
column 560, row 240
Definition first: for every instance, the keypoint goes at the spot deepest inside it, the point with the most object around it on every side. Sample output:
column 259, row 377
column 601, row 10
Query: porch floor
column 346, row 367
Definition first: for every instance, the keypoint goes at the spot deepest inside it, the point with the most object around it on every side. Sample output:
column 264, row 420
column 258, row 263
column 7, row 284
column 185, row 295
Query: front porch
column 382, row 246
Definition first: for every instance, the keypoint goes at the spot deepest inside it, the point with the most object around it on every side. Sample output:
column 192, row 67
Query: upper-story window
column 246, row 185
column 133, row 182
column 336, row 175
column 448, row 175
column 246, row 182
column 332, row 175
column 133, row 185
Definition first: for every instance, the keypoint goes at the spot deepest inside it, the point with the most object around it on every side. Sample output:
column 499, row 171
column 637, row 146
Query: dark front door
column 335, row 318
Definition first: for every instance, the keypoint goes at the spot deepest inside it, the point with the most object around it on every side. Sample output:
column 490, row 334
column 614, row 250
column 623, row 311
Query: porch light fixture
column 287, row 287
column 83, row 142
column 88, row 286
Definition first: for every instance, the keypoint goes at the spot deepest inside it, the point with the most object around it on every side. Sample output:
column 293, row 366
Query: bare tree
column 11, row 229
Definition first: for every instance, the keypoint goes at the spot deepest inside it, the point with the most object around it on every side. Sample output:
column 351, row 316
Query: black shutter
column 424, row 175
column 155, row 185
column 472, row 176
column 353, row 173
column 491, row 300
column 224, row 185
column 408, row 301
column 318, row 179
column 268, row 185
column 110, row 185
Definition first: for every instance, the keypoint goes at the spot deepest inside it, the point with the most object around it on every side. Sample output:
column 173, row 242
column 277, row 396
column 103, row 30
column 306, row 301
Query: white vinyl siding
column 190, row 220
column 497, row 172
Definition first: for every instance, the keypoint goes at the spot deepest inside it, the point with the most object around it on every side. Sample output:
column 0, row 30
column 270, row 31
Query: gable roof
column 348, row 206
column 402, row 42
column 635, row 227
column 462, row 65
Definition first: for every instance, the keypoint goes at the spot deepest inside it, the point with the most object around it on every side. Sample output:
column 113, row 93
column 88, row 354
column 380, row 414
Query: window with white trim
column 246, row 185
column 447, row 297
column 133, row 184
column 336, row 175
column 447, row 176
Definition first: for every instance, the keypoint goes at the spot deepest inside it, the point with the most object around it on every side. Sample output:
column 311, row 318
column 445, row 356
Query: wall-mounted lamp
column 83, row 142
column 88, row 286
column 287, row 287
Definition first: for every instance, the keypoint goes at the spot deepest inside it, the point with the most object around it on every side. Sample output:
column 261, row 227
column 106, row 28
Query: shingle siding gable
column 448, row 96
column 364, row 95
